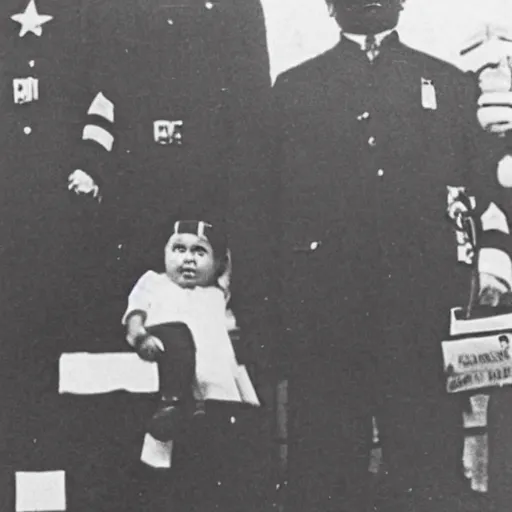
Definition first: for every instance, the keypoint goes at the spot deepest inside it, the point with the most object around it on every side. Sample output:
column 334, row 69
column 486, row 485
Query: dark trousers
column 333, row 394
column 177, row 364
column 330, row 431
column 500, row 448
column 421, row 434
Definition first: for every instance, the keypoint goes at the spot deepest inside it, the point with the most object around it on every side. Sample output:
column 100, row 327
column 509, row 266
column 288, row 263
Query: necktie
column 371, row 48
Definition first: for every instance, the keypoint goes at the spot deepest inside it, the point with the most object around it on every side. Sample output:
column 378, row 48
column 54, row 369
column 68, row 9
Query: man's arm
column 96, row 132
column 493, row 201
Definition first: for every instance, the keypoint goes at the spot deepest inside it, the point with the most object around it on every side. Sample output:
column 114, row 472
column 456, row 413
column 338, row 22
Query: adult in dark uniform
column 495, row 116
column 37, row 116
column 169, row 90
column 168, row 94
column 37, row 41
column 35, row 211
column 371, row 136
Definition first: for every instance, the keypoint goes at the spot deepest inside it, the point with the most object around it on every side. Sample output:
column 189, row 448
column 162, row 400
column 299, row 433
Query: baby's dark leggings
column 177, row 364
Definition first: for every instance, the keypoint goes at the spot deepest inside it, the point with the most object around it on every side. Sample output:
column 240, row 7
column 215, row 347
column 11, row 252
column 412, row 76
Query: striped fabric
column 98, row 134
column 494, row 254
column 100, row 122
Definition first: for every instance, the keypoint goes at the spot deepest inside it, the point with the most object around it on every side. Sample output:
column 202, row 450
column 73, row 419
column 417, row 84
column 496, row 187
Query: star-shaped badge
column 30, row 20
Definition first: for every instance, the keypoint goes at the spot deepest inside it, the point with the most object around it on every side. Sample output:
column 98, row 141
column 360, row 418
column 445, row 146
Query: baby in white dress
column 178, row 319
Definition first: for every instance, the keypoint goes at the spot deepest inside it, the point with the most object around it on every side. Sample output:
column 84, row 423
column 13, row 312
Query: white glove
column 495, row 103
column 81, row 183
column 496, row 78
column 491, row 289
column 495, row 112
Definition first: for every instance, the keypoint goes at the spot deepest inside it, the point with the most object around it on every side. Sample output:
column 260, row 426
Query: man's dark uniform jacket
column 368, row 258
column 34, row 206
column 35, row 229
column 201, row 66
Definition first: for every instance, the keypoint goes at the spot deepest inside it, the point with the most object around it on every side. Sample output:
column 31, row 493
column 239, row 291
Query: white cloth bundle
column 83, row 373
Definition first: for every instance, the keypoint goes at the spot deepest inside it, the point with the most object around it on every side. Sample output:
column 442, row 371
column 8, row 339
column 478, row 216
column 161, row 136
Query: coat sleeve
column 100, row 57
column 493, row 201
column 276, row 161
column 250, row 179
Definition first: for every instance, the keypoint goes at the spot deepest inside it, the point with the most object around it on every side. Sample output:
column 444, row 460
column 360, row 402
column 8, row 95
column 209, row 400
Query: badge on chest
column 167, row 133
column 428, row 94
column 25, row 90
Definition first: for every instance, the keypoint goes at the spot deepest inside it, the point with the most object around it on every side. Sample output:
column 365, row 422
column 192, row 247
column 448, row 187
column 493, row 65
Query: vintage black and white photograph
column 255, row 255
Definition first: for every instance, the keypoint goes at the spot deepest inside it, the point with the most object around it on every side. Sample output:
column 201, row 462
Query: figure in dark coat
column 372, row 136
column 495, row 115
column 168, row 93
column 37, row 78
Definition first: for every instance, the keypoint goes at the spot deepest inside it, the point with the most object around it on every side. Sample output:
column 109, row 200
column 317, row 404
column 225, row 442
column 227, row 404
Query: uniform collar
column 360, row 39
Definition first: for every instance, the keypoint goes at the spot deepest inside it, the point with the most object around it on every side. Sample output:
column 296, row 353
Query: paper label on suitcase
column 478, row 358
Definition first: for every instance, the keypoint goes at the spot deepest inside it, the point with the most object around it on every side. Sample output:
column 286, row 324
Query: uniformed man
column 38, row 39
column 169, row 94
column 164, row 141
column 36, row 79
column 375, row 141
column 495, row 116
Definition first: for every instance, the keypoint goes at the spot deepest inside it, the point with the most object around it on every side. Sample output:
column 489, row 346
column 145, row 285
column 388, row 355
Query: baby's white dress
column 203, row 310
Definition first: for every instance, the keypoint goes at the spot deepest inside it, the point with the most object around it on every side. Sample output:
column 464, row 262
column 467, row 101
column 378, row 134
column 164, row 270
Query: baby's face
column 189, row 261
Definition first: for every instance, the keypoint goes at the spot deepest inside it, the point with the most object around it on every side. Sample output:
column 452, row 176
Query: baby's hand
column 151, row 348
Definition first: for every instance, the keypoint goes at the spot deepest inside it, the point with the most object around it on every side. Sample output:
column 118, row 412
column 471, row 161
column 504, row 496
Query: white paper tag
column 428, row 95
column 168, row 132
column 157, row 454
column 40, row 491
column 25, row 90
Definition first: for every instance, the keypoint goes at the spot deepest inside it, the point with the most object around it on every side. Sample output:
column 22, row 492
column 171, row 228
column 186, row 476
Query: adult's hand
column 83, row 184
column 492, row 290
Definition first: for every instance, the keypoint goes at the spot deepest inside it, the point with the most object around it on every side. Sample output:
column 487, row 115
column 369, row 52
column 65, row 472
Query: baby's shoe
column 165, row 423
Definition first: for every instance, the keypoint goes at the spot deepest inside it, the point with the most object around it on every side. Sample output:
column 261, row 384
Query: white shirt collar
column 360, row 39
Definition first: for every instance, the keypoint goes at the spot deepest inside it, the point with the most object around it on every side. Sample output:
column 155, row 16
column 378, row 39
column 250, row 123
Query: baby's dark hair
column 214, row 234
